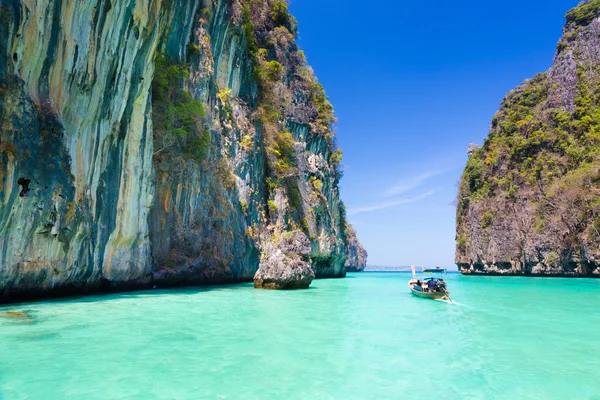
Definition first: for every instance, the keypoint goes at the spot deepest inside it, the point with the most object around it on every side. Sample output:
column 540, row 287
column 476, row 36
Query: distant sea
column 382, row 268
column 363, row 337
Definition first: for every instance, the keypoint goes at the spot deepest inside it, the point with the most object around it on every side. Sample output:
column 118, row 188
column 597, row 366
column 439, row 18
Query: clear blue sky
column 413, row 83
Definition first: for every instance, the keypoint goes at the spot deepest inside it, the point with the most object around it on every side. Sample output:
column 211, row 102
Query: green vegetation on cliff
column 533, row 144
column 178, row 118
column 539, row 169
column 268, row 71
column 159, row 143
column 270, row 34
column 282, row 18
column 584, row 14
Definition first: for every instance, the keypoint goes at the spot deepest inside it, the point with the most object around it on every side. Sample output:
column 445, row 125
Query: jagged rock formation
column 158, row 142
column 528, row 202
column 284, row 263
column 356, row 255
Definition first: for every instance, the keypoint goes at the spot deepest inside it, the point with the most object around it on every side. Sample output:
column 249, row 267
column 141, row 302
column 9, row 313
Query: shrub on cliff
column 177, row 117
column 283, row 150
column 281, row 16
column 325, row 118
column 197, row 146
column 584, row 13
column 487, row 219
column 248, row 28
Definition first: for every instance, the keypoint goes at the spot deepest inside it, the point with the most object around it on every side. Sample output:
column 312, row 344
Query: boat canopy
column 428, row 271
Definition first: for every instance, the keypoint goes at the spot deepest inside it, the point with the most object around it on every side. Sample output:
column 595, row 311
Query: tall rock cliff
column 529, row 199
column 356, row 255
column 149, row 142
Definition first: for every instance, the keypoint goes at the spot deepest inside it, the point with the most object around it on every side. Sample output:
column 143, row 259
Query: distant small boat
column 434, row 287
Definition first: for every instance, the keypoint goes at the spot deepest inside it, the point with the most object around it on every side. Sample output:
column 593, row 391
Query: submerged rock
column 17, row 315
column 14, row 314
column 284, row 263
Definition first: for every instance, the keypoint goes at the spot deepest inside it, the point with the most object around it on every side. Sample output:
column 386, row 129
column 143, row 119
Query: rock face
column 356, row 255
column 158, row 142
column 528, row 199
column 284, row 263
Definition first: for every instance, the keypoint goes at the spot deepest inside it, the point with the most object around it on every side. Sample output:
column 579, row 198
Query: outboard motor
column 441, row 285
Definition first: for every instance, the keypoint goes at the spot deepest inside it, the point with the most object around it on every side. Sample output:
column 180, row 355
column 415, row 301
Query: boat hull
column 440, row 291
column 429, row 295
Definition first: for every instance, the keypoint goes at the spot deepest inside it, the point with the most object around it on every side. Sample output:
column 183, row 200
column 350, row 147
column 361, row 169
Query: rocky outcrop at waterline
column 528, row 199
column 284, row 263
column 356, row 255
column 159, row 143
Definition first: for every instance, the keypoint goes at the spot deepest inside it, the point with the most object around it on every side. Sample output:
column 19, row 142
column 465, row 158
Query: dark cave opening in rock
column 24, row 183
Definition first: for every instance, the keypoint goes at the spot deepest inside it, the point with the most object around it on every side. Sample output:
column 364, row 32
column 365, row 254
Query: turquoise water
column 363, row 337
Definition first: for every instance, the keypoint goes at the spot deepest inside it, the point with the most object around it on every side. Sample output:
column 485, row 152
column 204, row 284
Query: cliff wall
column 528, row 201
column 356, row 255
column 147, row 142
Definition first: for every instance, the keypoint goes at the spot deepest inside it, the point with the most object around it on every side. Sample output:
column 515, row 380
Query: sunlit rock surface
column 528, row 199
column 356, row 255
column 93, row 197
column 284, row 263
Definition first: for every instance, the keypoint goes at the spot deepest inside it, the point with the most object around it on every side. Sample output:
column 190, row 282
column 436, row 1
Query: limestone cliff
column 356, row 255
column 529, row 200
column 159, row 142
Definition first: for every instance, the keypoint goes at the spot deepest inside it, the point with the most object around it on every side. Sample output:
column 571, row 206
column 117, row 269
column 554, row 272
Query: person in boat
column 432, row 284
column 417, row 286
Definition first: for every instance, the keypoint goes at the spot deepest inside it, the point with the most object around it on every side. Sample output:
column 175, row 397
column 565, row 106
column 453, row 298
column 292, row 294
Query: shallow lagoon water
column 364, row 337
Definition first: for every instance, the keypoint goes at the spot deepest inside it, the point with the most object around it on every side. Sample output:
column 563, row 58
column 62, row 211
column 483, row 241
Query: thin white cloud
column 407, row 185
column 359, row 224
column 389, row 204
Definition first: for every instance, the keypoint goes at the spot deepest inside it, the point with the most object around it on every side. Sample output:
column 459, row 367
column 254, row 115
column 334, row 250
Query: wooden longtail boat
column 432, row 287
